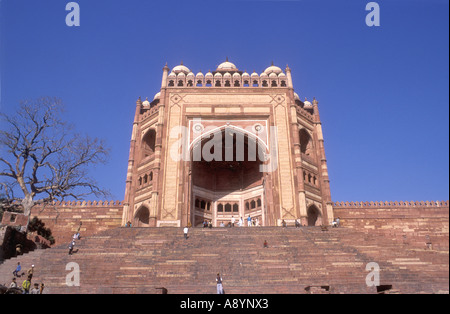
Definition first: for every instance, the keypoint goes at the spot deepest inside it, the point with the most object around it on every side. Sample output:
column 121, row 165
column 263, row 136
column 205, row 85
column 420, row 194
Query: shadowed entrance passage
column 230, row 184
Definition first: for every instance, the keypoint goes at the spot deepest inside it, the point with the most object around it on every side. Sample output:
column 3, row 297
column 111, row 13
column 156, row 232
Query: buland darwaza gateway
column 227, row 144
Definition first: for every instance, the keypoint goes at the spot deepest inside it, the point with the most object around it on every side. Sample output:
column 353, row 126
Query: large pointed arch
column 142, row 217
column 314, row 216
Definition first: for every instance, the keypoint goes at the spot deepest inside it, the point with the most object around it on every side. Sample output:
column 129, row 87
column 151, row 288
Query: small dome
column 157, row 95
column 218, row 75
column 226, row 66
column 209, row 74
column 236, row 75
column 245, row 74
column 146, row 103
column 281, row 75
column 307, row 103
column 263, row 75
column 199, row 74
column 181, row 69
column 191, row 75
column 273, row 69
column 172, row 75
column 181, row 75
column 227, row 75
column 296, row 96
column 273, row 75
column 254, row 74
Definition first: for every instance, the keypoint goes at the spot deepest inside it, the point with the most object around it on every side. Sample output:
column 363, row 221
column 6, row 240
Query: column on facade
column 130, row 185
column 327, row 205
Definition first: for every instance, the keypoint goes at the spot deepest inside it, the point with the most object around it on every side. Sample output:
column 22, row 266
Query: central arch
column 142, row 217
column 314, row 216
column 225, row 176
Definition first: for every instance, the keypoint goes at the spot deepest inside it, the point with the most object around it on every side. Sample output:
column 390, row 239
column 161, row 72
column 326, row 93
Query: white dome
column 227, row 75
column 254, row 74
column 281, row 75
column 181, row 69
column 157, row 95
column 273, row 75
column 226, row 66
column 191, row 74
column 217, row 75
column 237, row 75
column 146, row 102
column 307, row 103
column 181, row 74
column 209, row 74
column 245, row 74
column 273, row 69
column 199, row 74
column 296, row 96
column 172, row 75
column 263, row 75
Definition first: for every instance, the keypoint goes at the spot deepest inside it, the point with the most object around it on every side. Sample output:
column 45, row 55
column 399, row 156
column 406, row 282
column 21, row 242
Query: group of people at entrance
column 251, row 222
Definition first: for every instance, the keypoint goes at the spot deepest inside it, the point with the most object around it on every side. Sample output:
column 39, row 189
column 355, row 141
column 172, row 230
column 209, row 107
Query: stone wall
column 64, row 218
column 419, row 224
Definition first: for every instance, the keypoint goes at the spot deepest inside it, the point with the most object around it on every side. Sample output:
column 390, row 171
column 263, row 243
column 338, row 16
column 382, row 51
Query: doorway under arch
column 314, row 216
column 142, row 217
column 227, row 181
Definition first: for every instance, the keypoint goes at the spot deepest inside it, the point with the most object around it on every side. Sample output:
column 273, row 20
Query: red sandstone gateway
column 250, row 148
column 224, row 147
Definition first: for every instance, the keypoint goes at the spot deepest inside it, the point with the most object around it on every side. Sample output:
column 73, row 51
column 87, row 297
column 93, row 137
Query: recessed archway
column 229, row 169
column 314, row 216
column 142, row 217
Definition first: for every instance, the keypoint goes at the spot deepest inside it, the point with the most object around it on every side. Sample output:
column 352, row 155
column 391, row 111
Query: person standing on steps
column 18, row 268
column 30, row 272
column 186, row 230
column 71, row 246
column 35, row 290
column 26, row 286
column 219, row 284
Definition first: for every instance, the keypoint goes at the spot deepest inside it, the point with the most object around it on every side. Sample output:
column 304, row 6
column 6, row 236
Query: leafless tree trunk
column 42, row 160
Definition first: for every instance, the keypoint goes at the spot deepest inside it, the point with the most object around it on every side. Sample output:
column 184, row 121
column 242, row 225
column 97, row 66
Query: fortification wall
column 63, row 218
column 419, row 224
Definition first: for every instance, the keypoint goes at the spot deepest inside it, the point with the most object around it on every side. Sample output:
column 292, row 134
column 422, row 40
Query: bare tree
column 42, row 160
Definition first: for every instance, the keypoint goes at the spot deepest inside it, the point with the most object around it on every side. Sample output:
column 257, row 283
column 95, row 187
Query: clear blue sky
column 383, row 91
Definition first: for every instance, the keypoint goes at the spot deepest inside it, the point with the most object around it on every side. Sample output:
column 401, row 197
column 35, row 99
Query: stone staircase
column 297, row 261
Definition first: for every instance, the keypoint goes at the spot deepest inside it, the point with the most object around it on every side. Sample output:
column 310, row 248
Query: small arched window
column 305, row 143
column 148, row 143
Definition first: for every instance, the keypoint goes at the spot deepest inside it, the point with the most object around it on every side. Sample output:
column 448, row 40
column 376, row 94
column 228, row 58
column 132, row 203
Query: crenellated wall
column 63, row 218
column 419, row 224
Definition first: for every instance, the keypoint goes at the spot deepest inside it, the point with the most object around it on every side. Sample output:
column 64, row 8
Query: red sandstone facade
column 264, row 152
